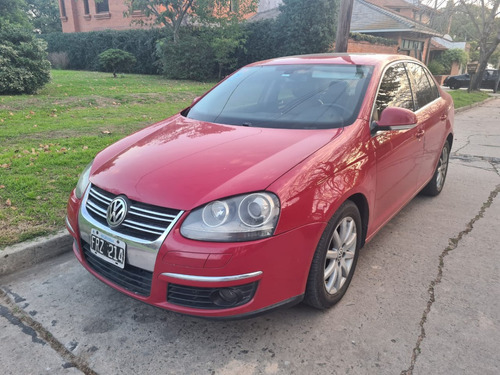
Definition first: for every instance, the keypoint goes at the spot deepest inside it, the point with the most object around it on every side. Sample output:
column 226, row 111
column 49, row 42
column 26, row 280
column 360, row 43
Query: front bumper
column 187, row 276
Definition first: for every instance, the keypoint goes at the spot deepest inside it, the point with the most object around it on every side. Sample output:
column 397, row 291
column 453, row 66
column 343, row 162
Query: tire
column 435, row 185
column 332, row 270
column 455, row 85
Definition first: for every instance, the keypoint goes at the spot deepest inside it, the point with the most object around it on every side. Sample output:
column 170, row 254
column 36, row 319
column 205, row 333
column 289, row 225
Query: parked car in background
column 490, row 80
column 262, row 193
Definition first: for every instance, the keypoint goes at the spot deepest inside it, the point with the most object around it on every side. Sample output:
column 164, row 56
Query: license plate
column 108, row 248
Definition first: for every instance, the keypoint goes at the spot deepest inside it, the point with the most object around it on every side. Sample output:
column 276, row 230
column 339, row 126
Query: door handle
column 420, row 134
column 443, row 117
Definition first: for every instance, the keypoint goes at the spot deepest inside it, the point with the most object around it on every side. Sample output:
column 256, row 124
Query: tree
column 13, row 12
column 306, row 26
column 44, row 15
column 173, row 13
column 227, row 40
column 169, row 13
column 116, row 60
column 24, row 67
column 485, row 30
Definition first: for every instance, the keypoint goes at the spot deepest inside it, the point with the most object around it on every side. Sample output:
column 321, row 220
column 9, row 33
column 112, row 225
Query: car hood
column 182, row 163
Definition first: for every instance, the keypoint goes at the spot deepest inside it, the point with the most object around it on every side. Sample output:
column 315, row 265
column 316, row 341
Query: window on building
column 86, row 6
column 63, row 8
column 410, row 45
column 101, row 6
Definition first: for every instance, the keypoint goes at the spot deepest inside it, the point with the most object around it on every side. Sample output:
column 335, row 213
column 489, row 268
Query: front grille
column 131, row 278
column 143, row 221
column 203, row 298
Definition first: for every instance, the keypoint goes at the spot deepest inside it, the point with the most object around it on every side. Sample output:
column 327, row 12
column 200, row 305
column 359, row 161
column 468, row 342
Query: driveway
column 425, row 299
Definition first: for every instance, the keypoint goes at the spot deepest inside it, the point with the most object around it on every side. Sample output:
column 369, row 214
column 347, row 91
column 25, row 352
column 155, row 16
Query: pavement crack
column 7, row 314
column 15, row 315
column 464, row 146
column 452, row 245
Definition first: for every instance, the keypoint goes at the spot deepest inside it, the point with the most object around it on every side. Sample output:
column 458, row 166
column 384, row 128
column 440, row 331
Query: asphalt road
column 425, row 299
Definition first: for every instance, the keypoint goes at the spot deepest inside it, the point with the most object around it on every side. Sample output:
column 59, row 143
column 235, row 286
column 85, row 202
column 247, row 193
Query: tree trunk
column 484, row 55
column 478, row 77
column 344, row 25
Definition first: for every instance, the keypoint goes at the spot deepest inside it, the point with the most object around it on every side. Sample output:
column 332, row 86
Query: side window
column 394, row 90
column 433, row 84
column 422, row 90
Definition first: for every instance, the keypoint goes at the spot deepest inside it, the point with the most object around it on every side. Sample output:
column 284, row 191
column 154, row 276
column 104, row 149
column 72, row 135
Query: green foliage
column 168, row 13
column 372, row 39
column 24, row 67
column 116, row 61
column 436, row 68
column 450, row 56
column 443, row 63
column 192, row 57
column 306, row 26
column 44, row 15
column 13, row 12
column 260, row 42
column 83, row 49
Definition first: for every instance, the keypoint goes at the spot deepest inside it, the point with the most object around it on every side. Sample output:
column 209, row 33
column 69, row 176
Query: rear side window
column 423, row 91
column 394, row 90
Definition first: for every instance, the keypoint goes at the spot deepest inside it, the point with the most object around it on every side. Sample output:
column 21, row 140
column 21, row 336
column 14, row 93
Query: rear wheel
column 436, row 184
column 455, row 85
column 335, row 258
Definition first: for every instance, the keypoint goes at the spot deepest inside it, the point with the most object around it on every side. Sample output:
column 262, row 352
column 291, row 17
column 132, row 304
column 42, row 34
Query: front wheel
column 436, row 184
column 335, row 258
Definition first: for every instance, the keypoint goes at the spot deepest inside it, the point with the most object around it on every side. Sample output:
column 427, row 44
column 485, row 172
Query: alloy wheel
column 340, row 255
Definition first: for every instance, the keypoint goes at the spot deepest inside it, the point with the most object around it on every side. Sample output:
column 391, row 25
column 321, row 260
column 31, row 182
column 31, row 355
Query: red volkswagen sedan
column 262, row 193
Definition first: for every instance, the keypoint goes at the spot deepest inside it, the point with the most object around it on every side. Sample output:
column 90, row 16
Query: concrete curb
column 467, row 107
column 29, row 253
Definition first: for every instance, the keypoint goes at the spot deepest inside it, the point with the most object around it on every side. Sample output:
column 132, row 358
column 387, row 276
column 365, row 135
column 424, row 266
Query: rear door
column 432, row 112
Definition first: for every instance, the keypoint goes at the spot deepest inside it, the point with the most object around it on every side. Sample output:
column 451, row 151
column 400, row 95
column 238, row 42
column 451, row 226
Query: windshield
column 287, row 96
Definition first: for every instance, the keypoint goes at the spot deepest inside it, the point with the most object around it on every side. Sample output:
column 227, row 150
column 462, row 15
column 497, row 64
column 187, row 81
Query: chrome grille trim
column 143, row 221
column 100, row 197
column 140, row 227
column 159, row 215
column 141, row 252
column 98, row 210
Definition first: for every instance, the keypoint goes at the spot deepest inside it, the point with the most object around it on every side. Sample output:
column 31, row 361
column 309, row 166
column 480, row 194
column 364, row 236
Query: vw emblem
column 117, row 211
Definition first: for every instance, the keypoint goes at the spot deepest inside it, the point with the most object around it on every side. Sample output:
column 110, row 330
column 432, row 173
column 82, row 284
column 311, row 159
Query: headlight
column 242, row 218
column 83, row 182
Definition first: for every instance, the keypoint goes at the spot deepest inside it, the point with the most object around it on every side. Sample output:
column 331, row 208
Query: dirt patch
column 11, row 233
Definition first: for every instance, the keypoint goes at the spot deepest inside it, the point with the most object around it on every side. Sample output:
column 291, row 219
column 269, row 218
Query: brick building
column 91, row 15
column 95, row 15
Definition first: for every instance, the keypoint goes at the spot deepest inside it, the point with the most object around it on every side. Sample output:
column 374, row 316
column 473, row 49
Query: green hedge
column 83, row 49
column 372, row 39
column 24, row 67
column 193, row 56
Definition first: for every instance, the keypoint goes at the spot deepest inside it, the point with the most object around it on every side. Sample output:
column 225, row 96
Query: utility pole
column 343, row 26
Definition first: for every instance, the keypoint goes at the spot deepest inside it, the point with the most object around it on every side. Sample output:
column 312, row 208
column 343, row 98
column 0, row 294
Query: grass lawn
column 47, row 139
column 462, row 98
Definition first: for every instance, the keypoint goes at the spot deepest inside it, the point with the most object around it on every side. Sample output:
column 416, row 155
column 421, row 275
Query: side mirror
column 195, row 100
column 394, row 118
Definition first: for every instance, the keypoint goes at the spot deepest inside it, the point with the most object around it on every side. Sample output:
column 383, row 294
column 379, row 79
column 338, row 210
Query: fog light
column 226, row 297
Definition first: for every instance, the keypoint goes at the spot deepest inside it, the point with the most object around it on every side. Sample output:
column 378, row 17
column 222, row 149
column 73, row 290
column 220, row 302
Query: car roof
column 335, row 58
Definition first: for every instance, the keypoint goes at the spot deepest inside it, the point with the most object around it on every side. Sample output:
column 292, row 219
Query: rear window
column 287, row 96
